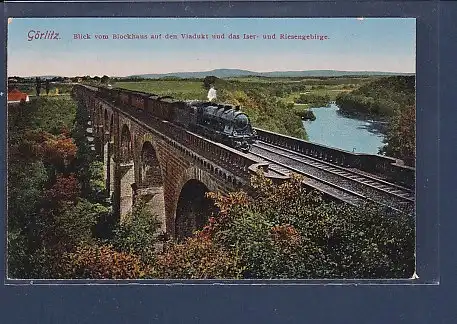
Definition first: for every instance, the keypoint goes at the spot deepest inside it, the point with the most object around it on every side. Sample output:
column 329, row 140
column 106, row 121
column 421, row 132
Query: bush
column 26, row 181
column 138, row 234
column 17, row 254
column 288, row 232
column 75, row 223
column 197, row 258
column 97, row 185
column 305, row 114
column 102, row 262
column 65, row 188
column 314, row 100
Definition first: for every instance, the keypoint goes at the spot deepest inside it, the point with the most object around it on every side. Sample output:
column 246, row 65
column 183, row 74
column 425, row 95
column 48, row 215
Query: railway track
column 345, row 184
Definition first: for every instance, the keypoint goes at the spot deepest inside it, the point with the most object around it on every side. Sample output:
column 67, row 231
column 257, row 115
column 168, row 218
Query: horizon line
column 207, row 71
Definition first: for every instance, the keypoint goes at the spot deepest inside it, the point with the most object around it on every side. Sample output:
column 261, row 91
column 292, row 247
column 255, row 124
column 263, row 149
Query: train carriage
column 186, row 115
column 151, row 104
column 222, row 123
column 124, row 98
column 166, row 108
column 138, row 100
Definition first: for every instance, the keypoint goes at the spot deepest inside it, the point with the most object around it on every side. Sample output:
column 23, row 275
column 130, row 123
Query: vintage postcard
column 241, row 149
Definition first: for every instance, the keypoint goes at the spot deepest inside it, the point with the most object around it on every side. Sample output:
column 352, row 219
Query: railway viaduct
column 167, row 167
column 171, row 169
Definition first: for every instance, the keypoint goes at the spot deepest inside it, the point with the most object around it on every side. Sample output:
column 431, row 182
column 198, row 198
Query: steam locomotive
column 221, row 123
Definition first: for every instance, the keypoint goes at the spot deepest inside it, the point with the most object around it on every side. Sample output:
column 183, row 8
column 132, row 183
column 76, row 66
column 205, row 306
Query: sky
column 352, row 44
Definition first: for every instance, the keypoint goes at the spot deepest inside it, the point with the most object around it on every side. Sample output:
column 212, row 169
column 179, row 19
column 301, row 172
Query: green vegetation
column 53, row 90
column 401, row 136
column 179, row 89
column 392, row 98
column 60, row 226
column 269, row 101
column 139, row 235
column 383, row 97
column 48, row 114
column 313, row 100
column 34, row 145
column 285, row 231
column 303, row 112
column 49, row 212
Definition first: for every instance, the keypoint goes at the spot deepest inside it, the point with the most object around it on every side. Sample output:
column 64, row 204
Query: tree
column 48, row 87
column 197, row 258
column 105, row 79
column 139, row 234
column 65, row 188
column 209, row 81
column 314, row 100
column 401, row 136
column 17, row 254
column 74, row 223
column 38, row 86
column 26, row 182
column 285, row 231
column 102, row 262
column 59, row 151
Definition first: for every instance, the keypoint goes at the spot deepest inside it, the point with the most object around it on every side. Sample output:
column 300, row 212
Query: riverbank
column 377, row 123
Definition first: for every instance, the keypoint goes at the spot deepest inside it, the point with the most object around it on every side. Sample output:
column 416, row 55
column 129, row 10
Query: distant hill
column 227, row 73
column 43, row 77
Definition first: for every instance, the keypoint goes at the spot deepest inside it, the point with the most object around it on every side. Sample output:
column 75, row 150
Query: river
column 333, row 129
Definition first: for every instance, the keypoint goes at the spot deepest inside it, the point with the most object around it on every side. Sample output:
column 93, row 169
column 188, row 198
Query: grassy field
column 331, row 91
column 316, row 86
column 193, row 89
column 179, row 89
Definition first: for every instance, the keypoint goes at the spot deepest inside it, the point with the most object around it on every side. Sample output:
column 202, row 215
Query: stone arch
column 150, row 170
column 98, row 127
column 99, row 113
column 105, row 151
column 150, row 187
column 106, row 120
column 111, row 127
column 126, row 153
column 126, row 173
column 110, row 158
column 93, row 121
column 108, row 153
column 191, row 207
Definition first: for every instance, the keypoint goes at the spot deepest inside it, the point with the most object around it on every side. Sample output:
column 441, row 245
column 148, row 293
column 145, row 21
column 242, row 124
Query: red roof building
column 16, row 96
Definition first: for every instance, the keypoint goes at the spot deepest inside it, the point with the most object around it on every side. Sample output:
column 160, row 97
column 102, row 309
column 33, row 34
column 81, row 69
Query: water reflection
column 333, row 128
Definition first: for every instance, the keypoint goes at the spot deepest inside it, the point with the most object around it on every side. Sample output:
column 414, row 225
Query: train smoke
column 212, row 94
